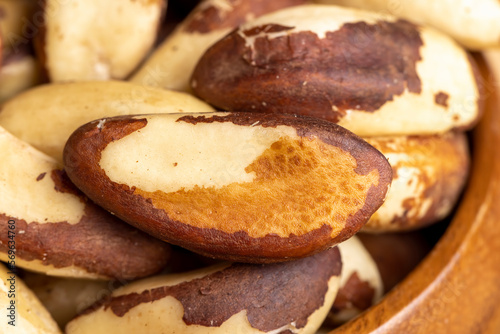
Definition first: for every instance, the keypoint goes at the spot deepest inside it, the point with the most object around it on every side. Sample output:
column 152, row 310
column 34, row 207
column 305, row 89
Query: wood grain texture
column 456, row 288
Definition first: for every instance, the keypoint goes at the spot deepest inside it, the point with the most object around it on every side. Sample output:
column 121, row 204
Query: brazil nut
column 372, row 74
column 239, row 298
column 46, row 115
column 54, row 229
column 237, row 186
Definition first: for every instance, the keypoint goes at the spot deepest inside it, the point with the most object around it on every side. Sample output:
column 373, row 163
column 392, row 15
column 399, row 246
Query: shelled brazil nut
column 56, row 230
column 19, row 69
column 476, row 24
column 232, row 298
column 66, row 297
column 76, row 44
column 429, row 173
column 361, row 285
column 172, row 63
column 237, row 186
column 45, row 116
column 21, row 310
column 372, row 74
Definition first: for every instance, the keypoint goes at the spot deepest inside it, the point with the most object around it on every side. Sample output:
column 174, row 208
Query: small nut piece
column 172, row 63
column 290, row 297
column 21, row 311
column 237, row 186
column 369, row 73
column 429, row 173
column 97, row 40
column 45, row 116
column 57, row 230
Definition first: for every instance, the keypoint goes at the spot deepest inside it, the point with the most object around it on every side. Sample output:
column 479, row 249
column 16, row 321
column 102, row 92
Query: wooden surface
column 456, row 289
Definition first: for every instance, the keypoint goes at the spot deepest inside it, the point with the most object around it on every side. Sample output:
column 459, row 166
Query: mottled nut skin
column 429, row 173
column 57, row 230
column 365, row 71
column 361, row 284
column 172, row 63
column 237, row 186
column 290, row 297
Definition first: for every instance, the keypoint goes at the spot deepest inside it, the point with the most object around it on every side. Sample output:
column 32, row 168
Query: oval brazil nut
column 21, row 310
column 290, row 297
column 47, row 225
column 429, row 173
column 372, row 74
column 237, row 186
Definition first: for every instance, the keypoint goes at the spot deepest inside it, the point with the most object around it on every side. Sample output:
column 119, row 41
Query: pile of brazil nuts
column 263, row 167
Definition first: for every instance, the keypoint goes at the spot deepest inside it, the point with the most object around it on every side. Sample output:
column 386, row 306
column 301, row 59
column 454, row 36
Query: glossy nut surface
column 372, row 74
column 237, row 186
column 239, row 298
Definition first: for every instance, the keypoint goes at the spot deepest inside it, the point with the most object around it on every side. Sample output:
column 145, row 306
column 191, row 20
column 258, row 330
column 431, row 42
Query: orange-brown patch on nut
column 151, row 210
column 433, row 170
column 334, row 193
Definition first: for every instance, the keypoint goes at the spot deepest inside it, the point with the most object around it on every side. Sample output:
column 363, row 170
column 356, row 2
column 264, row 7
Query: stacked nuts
column 253, row 140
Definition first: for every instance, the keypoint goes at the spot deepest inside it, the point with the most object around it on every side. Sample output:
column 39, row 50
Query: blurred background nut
column 172, row 63
column 96, row 40
column 65, row 297
column 475, row 24
column 361, row 285
column 19, row 69
column 369, row 73
column 58, row 231
column 397, row 254
column 293, row 297
column 46, row 115
column 299, row 186
column 429, row 173
column 30, row 316
column 18, row 72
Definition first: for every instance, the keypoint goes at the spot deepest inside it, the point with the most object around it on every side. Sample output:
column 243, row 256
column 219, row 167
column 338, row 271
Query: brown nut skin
column 57, row 230
column 429, row 173
column 360, row 283
column 290, row 297
column 172, row 63
column 295, row 185
column 364, row 71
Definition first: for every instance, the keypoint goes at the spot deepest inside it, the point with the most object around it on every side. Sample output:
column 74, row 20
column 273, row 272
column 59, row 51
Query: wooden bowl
column 456, row 288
